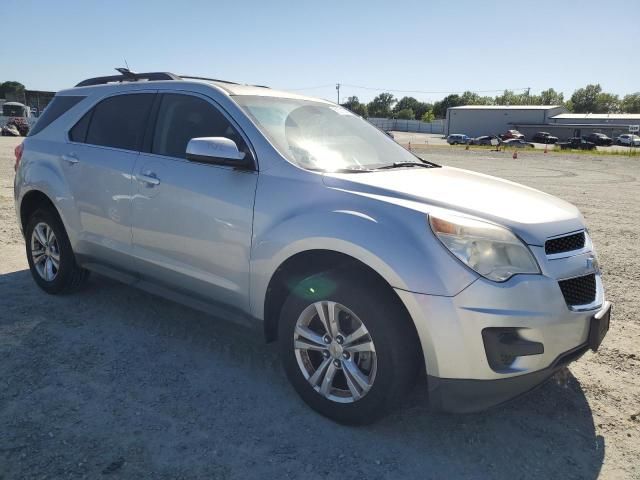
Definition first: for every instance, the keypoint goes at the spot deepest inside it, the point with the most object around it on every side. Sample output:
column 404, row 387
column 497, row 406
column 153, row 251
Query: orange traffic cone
column 515, row 154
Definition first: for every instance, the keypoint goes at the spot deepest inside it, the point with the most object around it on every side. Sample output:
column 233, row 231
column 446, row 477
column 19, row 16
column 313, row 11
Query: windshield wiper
column 406, row 164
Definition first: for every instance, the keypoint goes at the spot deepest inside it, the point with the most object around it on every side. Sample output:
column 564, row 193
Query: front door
column 192, row 222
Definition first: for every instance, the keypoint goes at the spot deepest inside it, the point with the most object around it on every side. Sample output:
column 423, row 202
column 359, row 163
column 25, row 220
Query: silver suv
column 370, row 266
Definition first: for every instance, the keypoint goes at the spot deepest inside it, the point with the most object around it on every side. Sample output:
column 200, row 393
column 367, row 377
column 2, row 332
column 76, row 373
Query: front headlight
column 492, row 251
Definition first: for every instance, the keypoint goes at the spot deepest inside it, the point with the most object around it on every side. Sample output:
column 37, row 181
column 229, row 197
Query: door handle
column 72, row 158
column 149, row 178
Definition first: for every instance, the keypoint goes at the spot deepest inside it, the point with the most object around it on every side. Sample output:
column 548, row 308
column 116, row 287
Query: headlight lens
column 492, row 251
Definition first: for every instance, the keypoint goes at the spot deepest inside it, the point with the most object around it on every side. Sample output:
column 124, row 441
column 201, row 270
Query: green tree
column 591, row 99
column 630, row 103
column 551, row 97
column 440, row 108
column 405, row 114
column 409, row 103
column 353, row 104
column 608, row 103
column 585, row 100
column 406, row 103
column 428, row 116
column 10, row 87
column 472, row 98
column 380, row 107
column 510, row 98
column 421, row 108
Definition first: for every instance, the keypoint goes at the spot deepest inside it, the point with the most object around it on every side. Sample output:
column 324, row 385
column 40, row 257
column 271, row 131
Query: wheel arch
column 32, row 201
column 311, row 262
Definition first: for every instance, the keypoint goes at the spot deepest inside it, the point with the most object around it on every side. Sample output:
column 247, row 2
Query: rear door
column 192, row 222
column 99, row 162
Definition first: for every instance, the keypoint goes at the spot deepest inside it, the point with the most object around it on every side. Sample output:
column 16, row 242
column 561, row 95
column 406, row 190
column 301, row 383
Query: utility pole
column 338, row 90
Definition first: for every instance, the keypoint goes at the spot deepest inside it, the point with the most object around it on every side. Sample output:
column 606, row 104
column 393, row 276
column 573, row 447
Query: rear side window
column 58, row 106
column 119, row 121
column 183, row 117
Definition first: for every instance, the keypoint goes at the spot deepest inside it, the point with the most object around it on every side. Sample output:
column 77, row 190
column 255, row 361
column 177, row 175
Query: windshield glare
column 322, row 136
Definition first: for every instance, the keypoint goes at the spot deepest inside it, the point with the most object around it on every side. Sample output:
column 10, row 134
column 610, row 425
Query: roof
column 14, row 104
column 506, row 107
column 598, row 116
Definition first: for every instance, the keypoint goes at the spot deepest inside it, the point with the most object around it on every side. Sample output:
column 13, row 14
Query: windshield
column 321, row 136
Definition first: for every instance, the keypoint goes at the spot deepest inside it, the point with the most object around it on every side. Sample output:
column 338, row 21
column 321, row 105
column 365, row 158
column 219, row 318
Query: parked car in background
column 577, row 143
column 484, row 140
column 599, row 139
column 458, row 138
column 628, row 139
column 369, row 266
column 544, row 137
column 517, row 143
column 511, row 134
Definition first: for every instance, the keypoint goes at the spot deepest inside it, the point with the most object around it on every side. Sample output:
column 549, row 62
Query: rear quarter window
column 58, row 106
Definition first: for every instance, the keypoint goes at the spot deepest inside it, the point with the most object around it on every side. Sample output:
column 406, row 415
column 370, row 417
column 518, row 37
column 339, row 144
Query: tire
column 390, row 369
column 67, row 276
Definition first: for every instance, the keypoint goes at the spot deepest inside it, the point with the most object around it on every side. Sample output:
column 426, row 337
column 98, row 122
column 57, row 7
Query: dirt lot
column 113, row 382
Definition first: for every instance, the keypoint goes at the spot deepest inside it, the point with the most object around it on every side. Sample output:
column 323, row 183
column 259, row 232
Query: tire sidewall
column 386, row 324
column 67, row 260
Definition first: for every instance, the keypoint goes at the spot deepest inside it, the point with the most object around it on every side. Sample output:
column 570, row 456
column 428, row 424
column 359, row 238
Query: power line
column 425, row 91
column 407, row 91
column 311, row 88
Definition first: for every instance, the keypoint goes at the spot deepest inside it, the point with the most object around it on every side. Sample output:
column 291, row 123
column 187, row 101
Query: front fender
column 394, row 241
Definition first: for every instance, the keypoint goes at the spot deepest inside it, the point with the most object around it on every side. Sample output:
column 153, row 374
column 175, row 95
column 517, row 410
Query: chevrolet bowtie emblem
column 592, row 264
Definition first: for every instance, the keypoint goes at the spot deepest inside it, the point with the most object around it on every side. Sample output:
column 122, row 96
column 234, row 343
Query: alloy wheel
column 335, row 352
column 45, row 252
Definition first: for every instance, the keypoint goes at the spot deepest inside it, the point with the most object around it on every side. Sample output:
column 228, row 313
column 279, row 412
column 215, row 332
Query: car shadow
column 112, row 378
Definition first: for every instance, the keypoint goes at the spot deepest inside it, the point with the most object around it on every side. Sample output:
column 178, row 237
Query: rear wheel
column 347, row 347
column 49, row 254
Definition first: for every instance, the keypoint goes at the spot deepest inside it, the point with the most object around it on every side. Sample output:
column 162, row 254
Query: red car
column 512, row 134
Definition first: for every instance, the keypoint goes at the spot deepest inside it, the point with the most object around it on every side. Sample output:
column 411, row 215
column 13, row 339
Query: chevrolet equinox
column 369, row 266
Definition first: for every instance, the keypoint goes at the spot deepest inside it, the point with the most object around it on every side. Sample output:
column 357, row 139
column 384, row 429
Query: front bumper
column 461, row 375
column 458, row 395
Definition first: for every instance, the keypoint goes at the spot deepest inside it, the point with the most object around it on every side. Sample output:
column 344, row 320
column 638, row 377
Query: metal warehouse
column 477, row 120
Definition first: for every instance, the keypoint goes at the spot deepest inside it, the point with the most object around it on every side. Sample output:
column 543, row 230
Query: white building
column 477, row 120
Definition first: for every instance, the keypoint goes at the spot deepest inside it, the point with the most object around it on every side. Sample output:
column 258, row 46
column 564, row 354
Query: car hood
column 531, row 214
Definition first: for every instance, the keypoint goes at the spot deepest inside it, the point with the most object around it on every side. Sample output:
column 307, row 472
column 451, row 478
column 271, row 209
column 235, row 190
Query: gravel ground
column 115, row 383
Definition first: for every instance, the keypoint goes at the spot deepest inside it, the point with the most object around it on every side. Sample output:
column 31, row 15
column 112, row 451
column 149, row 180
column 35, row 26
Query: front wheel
column 348, row 347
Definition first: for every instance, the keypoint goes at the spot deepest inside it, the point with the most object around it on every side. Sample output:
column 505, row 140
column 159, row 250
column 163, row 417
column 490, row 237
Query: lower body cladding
column 495, row 341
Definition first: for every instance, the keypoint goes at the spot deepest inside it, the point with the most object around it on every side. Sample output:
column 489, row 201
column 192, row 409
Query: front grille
column 564, row 244
column 579, row 290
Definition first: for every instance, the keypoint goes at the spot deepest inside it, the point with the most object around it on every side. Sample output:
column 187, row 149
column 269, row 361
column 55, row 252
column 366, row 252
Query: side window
column 79, row 131
column 183, row 117
column 58, row 106
column 120, row 121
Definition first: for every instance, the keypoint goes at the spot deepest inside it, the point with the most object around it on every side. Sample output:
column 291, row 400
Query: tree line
column 590, row 99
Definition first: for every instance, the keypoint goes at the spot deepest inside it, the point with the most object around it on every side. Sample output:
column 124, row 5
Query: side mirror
column 218, row 150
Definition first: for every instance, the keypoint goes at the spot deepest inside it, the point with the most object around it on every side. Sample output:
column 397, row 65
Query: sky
column 434, row 47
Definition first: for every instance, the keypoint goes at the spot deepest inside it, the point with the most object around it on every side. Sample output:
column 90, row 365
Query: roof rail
column 128, row 76
column 189, row 77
